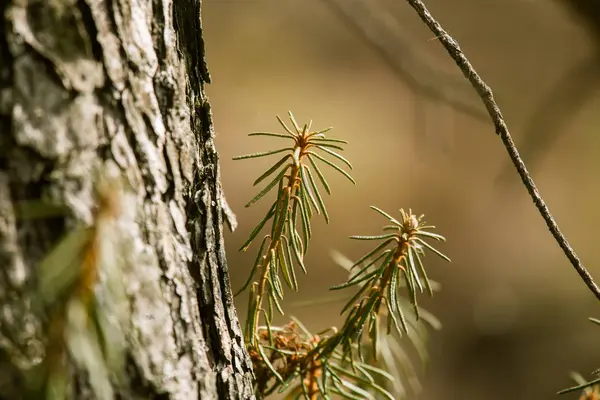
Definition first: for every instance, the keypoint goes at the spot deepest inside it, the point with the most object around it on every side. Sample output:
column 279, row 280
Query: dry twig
column 382, row 32
column 486, row 95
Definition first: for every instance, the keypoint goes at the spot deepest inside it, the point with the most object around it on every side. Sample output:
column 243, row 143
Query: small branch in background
column 383, row 33
column 568, row 95
column 486, row 95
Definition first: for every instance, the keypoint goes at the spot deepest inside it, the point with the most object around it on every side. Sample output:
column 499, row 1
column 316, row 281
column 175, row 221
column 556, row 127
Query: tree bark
column 91, row 83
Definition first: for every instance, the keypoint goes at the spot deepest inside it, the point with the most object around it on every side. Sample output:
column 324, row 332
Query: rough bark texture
column 87, row 83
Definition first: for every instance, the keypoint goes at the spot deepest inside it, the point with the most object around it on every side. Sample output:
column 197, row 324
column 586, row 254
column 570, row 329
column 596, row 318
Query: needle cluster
column 298, row 198
column 332, row 362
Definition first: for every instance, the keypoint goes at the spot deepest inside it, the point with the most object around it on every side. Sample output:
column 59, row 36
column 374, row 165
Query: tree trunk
column 91, row 83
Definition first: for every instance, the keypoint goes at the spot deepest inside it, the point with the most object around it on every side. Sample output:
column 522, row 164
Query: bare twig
column 383, row 33
column 568, row 95
column 495, row 114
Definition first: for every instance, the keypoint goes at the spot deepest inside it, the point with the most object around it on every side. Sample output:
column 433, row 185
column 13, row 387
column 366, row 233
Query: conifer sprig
column 590, row 388
column 332, row 362
column 390, row 352
column 289, row 362
column 298, row 198
column 348, row 362
column 395, row 263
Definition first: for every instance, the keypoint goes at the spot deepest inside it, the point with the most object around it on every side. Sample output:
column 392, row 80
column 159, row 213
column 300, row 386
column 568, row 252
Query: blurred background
column 514, row 312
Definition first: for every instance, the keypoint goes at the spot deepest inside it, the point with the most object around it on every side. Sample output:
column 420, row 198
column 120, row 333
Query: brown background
column 513, row 309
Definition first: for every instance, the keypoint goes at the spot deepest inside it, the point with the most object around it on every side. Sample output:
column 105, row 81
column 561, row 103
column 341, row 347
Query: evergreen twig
column 332, row 362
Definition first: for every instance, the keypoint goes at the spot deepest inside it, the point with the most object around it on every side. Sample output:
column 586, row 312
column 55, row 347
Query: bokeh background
column 514, row 311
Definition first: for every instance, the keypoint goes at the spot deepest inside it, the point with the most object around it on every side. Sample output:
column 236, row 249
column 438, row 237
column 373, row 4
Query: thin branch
column 495, row 114
column 573, row 90
column 568, row 95
column 383, row 33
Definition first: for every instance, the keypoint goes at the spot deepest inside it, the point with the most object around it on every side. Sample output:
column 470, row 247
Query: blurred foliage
column 82, row 298
column 591, row 388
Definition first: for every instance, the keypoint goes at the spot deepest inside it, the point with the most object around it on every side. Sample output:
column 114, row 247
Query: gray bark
column 89, row 83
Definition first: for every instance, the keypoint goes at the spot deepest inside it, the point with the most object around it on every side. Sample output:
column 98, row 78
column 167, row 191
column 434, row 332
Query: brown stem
column 292, row 187
column 486, row 95
column 399, row 254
